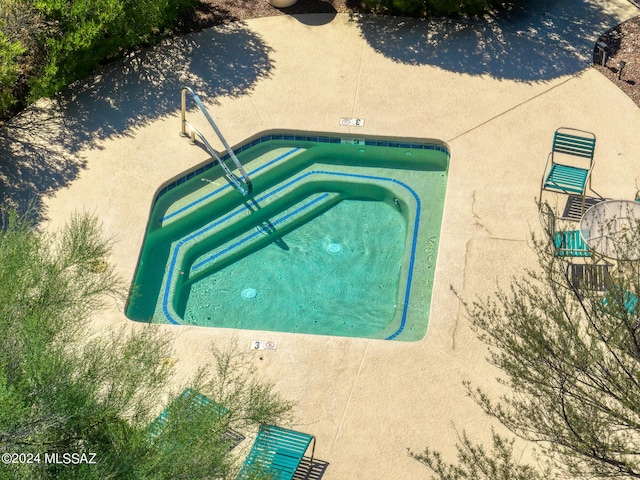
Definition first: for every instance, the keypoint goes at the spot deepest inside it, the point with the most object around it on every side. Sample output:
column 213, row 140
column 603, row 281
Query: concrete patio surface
column 494, row 91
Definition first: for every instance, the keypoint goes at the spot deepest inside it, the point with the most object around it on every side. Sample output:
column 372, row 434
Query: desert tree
column 69, row 388
column 569, row 357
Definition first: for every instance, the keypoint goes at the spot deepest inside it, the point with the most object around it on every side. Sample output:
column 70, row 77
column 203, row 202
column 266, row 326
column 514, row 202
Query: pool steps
column 215, row 188
column 259, row 232
column 276, row 211
column 273, row 212
column 238, row 232
column 286, row 159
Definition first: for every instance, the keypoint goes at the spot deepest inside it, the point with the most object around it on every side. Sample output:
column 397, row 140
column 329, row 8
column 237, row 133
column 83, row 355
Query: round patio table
column 612, row 229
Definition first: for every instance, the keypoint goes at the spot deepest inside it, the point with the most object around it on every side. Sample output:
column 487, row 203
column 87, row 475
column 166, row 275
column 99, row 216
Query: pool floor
column 330, row 276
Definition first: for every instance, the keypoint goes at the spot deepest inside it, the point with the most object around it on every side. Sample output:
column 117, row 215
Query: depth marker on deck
column 352, row 122
column 263, row 345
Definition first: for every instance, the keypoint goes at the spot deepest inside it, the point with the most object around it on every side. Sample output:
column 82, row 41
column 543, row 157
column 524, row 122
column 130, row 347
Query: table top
column 612, row 229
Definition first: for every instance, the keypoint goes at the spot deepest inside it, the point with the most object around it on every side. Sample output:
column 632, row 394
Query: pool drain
column 334, row 248
column 249, row 293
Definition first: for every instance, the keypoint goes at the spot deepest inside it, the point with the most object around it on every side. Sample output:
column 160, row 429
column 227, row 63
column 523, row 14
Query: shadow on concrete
column 525, row 41
column 301, row 8
column 40, row 150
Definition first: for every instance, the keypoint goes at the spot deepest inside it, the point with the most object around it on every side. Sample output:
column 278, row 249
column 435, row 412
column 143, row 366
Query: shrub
column 455, row 7
column 431, row 7
column 84, row 34
column 47, row 44
column 397, row 7
column 67, row 388
column 9, row 69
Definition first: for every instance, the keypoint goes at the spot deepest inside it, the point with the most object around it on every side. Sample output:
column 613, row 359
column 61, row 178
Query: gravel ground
column 623, row 44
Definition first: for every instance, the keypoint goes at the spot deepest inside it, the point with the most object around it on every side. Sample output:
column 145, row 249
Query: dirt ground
column 623, row 45
column 215, row 12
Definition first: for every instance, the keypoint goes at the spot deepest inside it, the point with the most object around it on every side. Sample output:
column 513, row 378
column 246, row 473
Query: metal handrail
column 244, row 189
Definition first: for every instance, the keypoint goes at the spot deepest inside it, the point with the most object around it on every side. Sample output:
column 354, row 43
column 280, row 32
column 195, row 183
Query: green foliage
column 573, row 366
column 52, row 43
column 65, row 388
column 231, row 381
column 432, row 7
column 84, row 34
column 476, row 463
column 9, row 69
column 397, row 7
column 460, row 7
column 20, row 56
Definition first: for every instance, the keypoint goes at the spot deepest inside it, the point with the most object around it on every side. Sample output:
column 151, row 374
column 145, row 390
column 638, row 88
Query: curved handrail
column 247, row 188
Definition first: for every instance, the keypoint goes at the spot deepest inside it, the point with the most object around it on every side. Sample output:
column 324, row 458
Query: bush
column 9, row 68
column 67, row 389
column 569, row 359
column 459, row 7
column 84, row 34
column 47, row 44
column 431, row 7
column 20, row 55
column 397, row 7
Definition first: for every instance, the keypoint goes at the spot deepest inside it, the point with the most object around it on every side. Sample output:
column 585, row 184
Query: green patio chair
column 276, row 453
column 564, row 243
column 570, row 162
column 595, row 277
column 195, row 402
column 629, row 300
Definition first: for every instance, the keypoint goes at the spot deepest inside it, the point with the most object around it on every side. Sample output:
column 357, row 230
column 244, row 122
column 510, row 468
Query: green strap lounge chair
column 629, row 301
column 194, row 402
column 565, row 243
column 595, row 277
column 569, row 243
column 570, row 162
column 276, row 453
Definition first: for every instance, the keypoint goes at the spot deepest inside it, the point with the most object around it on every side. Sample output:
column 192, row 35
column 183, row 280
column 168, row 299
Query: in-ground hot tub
column 339, row 237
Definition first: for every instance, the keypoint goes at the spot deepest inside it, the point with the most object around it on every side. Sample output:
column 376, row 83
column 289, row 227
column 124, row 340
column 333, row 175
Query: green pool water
column 337, row 239
column 330, row 273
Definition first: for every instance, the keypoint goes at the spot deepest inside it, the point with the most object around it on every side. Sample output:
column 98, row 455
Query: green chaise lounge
column 276, row 453
column 195, row 402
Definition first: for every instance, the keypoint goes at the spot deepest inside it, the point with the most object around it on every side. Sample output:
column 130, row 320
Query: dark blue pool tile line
column 412, row 256
column 328, row 139
column 303, row 138
column 246, row 238
column 192, row 204
column 227, row 186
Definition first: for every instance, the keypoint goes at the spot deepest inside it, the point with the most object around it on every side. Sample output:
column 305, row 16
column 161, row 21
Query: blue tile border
column 228, row 186
column 174, row 258
column 303, row 138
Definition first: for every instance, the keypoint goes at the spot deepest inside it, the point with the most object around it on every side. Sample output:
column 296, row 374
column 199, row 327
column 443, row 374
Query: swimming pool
column 339, row 237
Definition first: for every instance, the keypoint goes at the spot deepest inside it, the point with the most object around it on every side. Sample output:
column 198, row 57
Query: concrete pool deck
column 493, row 91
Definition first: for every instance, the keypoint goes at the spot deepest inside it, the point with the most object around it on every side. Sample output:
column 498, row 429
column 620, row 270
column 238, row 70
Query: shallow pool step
column 208, row 186
column 252, row 234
